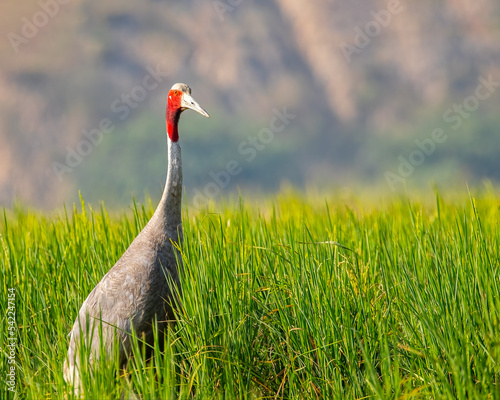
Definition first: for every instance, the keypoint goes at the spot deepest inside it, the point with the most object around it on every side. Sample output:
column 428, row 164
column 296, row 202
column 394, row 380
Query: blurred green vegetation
column 67, row 78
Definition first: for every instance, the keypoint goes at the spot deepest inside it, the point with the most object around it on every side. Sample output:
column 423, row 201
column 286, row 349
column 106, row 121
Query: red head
column 179, row 99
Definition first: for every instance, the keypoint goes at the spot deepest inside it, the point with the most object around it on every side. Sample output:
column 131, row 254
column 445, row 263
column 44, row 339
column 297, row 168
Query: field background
column 355, row 116
column 291, row 297
column 308, row 274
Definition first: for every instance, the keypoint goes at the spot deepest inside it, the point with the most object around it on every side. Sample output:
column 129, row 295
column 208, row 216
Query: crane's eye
column 176, row 92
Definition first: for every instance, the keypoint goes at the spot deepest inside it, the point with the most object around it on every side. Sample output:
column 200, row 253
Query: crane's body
column 143, row 284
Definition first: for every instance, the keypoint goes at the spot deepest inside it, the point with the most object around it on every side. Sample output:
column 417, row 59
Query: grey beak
column 187, row 101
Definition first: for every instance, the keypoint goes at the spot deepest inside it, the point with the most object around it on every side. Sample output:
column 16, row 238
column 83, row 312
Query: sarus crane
column 142, row 286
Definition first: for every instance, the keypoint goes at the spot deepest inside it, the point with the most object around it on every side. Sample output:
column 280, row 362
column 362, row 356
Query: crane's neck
column 169, row 208
column 172, row 121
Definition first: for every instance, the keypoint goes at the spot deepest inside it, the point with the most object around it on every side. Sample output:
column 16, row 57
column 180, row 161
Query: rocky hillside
column 83, row 85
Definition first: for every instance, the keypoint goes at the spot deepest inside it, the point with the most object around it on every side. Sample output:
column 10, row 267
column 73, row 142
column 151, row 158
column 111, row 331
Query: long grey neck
column 168, row 212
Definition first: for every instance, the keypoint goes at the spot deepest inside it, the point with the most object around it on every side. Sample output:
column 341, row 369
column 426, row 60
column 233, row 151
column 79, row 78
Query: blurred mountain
column 83, row 87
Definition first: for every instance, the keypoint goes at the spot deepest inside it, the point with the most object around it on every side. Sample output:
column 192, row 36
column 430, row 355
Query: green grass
column 408, row 307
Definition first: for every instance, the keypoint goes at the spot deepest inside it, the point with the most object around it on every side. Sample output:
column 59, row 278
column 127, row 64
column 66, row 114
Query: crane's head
column 180, row 99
